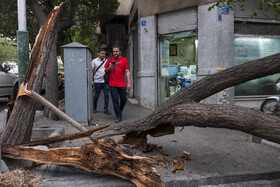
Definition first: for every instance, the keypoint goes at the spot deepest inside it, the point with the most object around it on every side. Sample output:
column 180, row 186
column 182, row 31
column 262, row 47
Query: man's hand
column 128, row 79
column 128, row 86
column 112, row 66
column 92, row 83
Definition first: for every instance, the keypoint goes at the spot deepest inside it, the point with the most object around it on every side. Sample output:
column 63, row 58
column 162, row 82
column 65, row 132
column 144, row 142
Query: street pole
column 22, row 41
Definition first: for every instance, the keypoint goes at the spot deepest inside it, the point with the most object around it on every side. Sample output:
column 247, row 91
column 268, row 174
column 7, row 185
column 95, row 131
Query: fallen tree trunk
column 185, row 103
column 201, row 115
column 103, row 156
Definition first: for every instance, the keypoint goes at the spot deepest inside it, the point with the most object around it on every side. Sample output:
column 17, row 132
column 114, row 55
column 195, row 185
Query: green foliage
column 8, row 17
column 8, row 52
column 86, row 15
column 89, row 14
column 265, row 5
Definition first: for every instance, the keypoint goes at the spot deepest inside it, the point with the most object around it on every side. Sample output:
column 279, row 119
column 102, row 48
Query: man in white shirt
column 98, row 71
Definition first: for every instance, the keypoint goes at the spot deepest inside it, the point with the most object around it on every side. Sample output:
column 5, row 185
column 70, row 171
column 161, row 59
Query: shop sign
column 144, row 23
column 224, row 9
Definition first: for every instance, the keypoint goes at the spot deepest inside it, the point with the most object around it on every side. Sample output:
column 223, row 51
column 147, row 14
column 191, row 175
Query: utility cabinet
column 78, row 82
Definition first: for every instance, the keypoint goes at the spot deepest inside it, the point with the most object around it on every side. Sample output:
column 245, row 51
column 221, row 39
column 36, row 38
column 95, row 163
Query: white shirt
column 98, row 76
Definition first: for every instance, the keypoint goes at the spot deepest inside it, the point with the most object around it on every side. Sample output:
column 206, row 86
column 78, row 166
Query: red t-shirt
column 116, row 78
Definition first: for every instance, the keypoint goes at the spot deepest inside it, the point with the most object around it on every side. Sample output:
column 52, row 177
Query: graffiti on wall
column 223, row 97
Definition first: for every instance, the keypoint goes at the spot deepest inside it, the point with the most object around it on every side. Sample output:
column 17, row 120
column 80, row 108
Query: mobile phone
column 113, row 63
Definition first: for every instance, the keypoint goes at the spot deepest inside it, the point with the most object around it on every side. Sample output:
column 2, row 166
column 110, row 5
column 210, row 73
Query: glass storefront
column 248, row 48
column 178, row 63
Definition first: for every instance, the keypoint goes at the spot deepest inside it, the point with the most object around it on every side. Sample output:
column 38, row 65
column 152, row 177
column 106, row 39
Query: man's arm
column 108, row 69
column 128, row 79
column 92, row 68
column 107, row 63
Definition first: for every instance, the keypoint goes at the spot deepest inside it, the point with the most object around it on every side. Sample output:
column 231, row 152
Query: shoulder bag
column 107, row 74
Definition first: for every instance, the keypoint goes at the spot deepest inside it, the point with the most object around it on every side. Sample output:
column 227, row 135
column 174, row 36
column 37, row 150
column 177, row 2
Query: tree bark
column 37, row 11
column 182, row 108
column 103, row 157
column 20, row 123
column 51, row 80
column 204, row 115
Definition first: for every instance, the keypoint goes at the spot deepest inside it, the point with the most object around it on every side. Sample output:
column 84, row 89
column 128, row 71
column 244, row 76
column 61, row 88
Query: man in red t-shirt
column 118, row 67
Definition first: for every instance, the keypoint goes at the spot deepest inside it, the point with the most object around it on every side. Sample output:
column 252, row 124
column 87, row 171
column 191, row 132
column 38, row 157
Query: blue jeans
column 98, row 88
column 118, row 93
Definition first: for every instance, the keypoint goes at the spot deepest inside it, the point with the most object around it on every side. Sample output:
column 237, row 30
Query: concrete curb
column 221, row 180
column 52, row 174
column 258, row 140
column 271, row 144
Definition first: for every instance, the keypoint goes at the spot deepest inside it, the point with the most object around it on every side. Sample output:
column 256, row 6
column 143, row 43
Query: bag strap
column 100, row 66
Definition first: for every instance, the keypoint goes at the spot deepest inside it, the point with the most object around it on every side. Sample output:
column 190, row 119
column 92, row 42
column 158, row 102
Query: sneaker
column 118, row 120
column 94, row 111
column 107, row 112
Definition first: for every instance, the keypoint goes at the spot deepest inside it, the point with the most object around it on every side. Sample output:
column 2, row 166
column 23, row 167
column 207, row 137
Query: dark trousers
column 118, row 95
column 98, row 88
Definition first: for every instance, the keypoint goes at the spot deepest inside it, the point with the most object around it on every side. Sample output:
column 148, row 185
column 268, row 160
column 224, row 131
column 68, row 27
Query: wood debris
column 160, row 160
column 177, row 166
column 186, row 156
column 19, row 178
column 160, row 150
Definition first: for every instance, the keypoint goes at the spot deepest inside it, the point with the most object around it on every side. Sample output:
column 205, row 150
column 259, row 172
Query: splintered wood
column 102, row 156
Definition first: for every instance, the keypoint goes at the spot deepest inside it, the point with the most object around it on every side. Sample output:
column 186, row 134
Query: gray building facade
column 173, row 44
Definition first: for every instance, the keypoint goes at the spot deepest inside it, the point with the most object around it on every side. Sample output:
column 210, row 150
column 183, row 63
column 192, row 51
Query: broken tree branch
column 103, row 156
column 45, row 102
column 57, row 139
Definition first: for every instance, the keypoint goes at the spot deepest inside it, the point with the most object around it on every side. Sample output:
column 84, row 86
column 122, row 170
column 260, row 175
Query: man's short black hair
column 101, row 49
column 117, row 46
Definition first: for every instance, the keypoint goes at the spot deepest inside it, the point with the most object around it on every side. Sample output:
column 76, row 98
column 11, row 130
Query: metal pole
column 21, row 15
column 22, row 41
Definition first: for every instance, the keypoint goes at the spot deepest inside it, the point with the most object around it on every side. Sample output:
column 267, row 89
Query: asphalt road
column 3, row 103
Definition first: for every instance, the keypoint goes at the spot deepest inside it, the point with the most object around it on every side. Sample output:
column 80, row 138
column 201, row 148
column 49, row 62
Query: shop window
column 250, row 48
column 178, row 63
